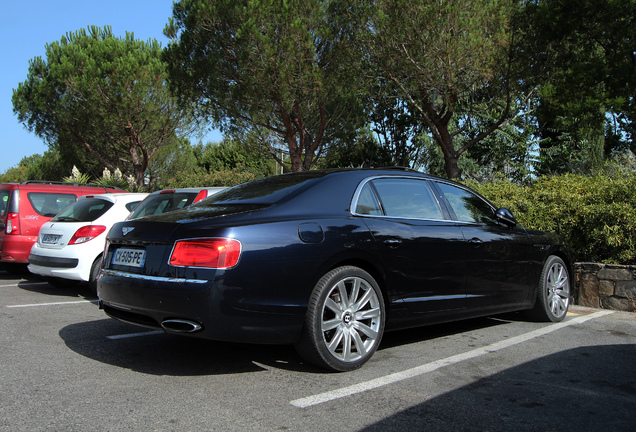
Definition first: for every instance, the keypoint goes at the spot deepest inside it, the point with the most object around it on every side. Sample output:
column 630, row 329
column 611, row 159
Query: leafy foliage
column 364, row 152
column 447, row 60
column 100, row 101
column 268, row 64
column 595, row 215
column 232, row 154
column 581, row 52
column 215, row 178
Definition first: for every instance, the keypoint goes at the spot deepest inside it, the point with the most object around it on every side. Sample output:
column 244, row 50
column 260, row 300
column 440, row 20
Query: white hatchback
column 70, row 246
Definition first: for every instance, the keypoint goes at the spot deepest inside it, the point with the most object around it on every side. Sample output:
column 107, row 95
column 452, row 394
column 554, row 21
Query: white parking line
column 53, row 304
column 130, row 335
column 430, row 367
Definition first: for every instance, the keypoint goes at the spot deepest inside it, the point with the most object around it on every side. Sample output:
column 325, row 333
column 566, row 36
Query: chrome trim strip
column 117, row 273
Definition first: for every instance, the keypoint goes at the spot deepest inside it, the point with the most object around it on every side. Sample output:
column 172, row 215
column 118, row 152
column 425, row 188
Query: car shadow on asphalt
column 590, row 388
column 72, row 290
column 150, row 351
column 33, row 283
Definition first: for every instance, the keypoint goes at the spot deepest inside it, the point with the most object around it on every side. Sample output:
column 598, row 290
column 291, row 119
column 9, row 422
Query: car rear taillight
column 211, row 253
column 86, row 233
column 202, row 195
column 13, row 224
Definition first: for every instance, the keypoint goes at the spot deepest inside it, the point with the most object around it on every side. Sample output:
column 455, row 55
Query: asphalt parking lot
column 66, row 366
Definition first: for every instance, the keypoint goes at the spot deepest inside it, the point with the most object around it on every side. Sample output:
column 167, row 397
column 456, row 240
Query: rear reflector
column 210, row 253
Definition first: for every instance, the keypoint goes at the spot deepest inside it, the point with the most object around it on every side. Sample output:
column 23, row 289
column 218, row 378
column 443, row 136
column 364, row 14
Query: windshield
column 86, row 210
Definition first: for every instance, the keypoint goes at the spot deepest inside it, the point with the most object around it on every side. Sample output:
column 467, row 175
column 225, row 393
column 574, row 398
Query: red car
column 25, row 207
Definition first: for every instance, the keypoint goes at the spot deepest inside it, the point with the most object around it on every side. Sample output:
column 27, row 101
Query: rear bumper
column 44, row 263
column 16, row 249
column 151, row 301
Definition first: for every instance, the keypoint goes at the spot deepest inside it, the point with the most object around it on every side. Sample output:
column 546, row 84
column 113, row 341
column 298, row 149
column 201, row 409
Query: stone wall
column 605, row 286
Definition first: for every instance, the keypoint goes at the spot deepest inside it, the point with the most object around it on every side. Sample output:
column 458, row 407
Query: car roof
column 37, row 185
column 115, row 196
column 190, row 189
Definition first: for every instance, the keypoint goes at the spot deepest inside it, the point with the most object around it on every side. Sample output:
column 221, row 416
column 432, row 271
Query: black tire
column 92, row 278
column 345, row 320
column 553, row 295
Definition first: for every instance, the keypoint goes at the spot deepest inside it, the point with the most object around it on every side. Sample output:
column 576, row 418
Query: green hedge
column 595, row 215
column 209, row 179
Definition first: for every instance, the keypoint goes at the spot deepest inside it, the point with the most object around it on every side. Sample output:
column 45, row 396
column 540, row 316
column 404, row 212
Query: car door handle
column 393, row 243
column 476, row 242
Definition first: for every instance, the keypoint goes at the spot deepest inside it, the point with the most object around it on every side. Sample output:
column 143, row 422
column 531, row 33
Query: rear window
column 4, row 202
column 50, row 203
column 163, row 203
column 267, row 190
column 86, row 210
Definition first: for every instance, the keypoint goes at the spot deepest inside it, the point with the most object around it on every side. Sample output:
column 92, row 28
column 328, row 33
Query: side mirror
column 506, row 217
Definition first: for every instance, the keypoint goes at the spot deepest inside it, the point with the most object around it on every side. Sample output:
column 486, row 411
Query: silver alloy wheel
column 351, row 319
column 558, row 287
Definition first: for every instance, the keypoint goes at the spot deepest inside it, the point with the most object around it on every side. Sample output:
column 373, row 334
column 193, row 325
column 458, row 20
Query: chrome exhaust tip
column 180, row 326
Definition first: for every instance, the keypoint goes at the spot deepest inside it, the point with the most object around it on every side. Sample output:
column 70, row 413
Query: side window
column 4, row 201
column 407, row 198
column 467, row 206
column 367, row 202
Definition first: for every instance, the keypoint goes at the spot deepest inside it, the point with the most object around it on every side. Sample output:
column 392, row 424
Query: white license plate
column 129, row 257
column 50, row 238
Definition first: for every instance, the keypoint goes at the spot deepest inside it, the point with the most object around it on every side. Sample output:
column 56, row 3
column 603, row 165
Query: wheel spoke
column 368, row 331
column 346, row 345
column 557, row 305
column 368, row 296
column 335, row 341
column 360, row 348
column 355, row 290
column 344, row 297
column 333, row 306
column 331, row 324
column 366, row 314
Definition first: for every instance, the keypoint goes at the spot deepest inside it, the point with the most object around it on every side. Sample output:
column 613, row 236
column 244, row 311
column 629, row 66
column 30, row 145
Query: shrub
column 215, row 178
column 595, row 215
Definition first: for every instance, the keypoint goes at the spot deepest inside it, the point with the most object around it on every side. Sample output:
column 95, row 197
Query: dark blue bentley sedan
column 328, row 261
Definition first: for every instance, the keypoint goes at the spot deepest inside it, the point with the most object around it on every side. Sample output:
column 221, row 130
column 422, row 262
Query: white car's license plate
column 50, row 238
column 129, row 257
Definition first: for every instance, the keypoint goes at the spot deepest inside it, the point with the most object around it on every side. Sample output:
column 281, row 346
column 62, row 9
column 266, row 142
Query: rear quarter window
column 49, row 204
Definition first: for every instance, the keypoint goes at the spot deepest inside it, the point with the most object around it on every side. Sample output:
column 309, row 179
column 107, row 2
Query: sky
column 28, row 25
